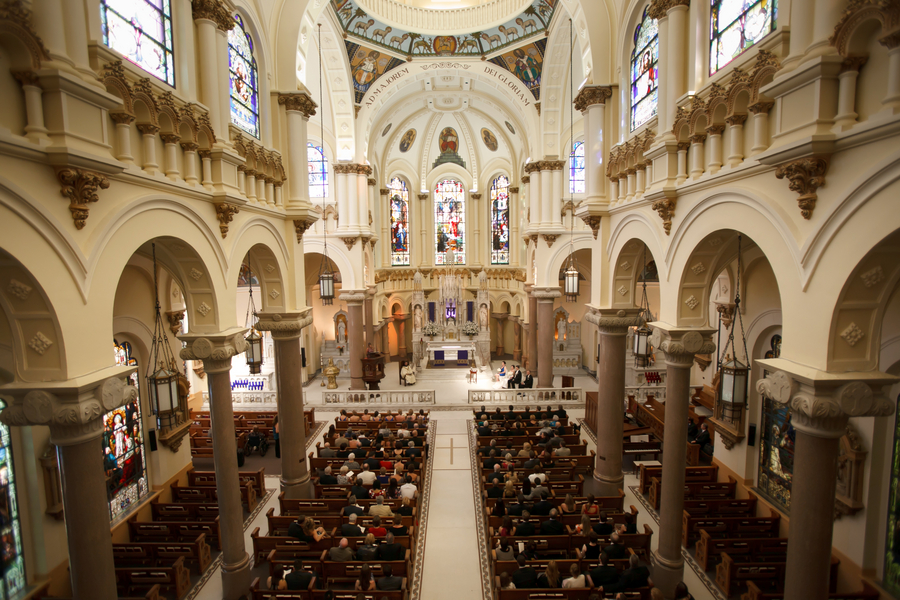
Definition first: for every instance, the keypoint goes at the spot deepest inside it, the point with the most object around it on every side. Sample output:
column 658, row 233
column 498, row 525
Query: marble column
column 355, row 338
column 369, row 317
column 676, row 59
column 517, row 345
column 299, row 107
column 341, row 193
column 680, row 345
column 171, row 155
column 545, row 298
column 591, row 102
column 362, row 195
column 149, row 131
column 697, row 166
column 205, row 17
column 556, row 191
column 499, row 320
column 216, row 351
column 286, row 329
column 736, row 139
column 715, row 148
column 400, row 324
column 190, row 162
column 609, row 426
column 821, row 404
column 531, row 342
column 760, row 111
column 74, row 412
column 123, row 123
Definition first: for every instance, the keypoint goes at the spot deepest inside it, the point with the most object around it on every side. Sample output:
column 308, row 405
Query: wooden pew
column 278, row 525
column 287, row 546
column 608, row 503
column 730, row 572
column 152, row 594
column 561, row 594
column 555, row 545
column 868, row 593
column 401, row 594
column 709, row 549
column 639, row 543
column 326, row 505
column 167, row 531
column 348, row 572
column 708, row 474
column 728, row 527
column 152, row 554
column 208, row 494
column 186, row 511
column 570, row 520
column 173, row 578
column 203, row 478
column 695, row 491
column 257, row 592
column 722, row 508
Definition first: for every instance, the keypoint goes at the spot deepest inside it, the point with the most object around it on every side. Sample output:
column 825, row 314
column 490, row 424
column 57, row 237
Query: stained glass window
column 776, row 448
column 449, row 221
column 500, row 221
column 735, row 25
column 318, row 171
column 891, row 579
column 399, row 223
column 141, row 30
column 13, row 562
column 644, row 59
column 123, row 447
column 243, row 79
column 576, row 169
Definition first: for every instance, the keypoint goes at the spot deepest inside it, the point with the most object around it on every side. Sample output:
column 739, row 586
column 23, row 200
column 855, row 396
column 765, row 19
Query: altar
column 450, row 353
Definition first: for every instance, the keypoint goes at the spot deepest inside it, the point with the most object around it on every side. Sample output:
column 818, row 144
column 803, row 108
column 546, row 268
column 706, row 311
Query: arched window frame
column 499, row 208
column 734, row 20
column 445, row 219
column 318, row 170
column 243, row 81
column 577, row 168
column 144, row 35
column 644, row 81
column 399, row 187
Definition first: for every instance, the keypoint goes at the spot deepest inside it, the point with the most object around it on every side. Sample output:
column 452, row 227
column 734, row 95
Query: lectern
column 373, row 369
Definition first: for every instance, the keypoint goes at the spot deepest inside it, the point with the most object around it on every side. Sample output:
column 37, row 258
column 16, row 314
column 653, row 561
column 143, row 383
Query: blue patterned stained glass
column 243, row 79
column 141, row 30
column 11, row 557
column 735, row 25
column 123, row 448
column 318, row 171
column 500, row 221
column 449, row 221
column 576, row 169
column 399, row 223
column 644, row 64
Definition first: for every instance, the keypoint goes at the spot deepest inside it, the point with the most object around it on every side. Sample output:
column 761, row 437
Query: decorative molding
column 16, row 20
column 852, row 334
column 623, row 291
column 172, row 438
column 284, row 326
column 476, row 196
column 215, row 11
column 805, row 176
column 80, row 187
column 593, row 223
column 424, row 196
column 592, row 95
column 349, row 242
column 514, row 190
column 887, row 13
column 215, row 353
column 196, row 274
column 175, row 318
column 692, row 302
column 698, row 268
column 300, row 102
column 300, row 227
column 681, row 347
column 21, row 290
column 726, row 312
column 870, row 278
column 225, row 213
column 666, row 209
column 40, row 343
column 204, row 308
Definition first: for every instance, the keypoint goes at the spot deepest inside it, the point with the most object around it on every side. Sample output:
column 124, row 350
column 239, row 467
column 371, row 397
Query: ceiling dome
column 443, row 17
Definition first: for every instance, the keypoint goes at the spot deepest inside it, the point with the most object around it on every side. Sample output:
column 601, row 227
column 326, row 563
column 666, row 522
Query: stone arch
column 268, row 255
column 633, row 241
column 337, row 256
column 855, row 17
column 560, row 252
column 19, row 39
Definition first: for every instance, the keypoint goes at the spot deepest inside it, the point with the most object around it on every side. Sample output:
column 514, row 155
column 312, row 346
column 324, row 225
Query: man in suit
column 298, row 579
column 691, row 430
column 352, row 508
column 604, row 574
column 523, row 527
column 616, row 550
column 483, row 429
column 516, row 380
column 341, row 552
column 525, row 577
column 539, row 491
column 528, row 382
column 532, row 462
column 604, row 526
column 358, row 490
column 703, row 437
column 497, row 475
column 562, row 450
column 295, row 529
column 351, row 529
column 388, row 582
column 380, row 509
column 495, row 491
column 327, row 451
column 542, row 507
column 636, row 575
column 391, row 550
column 491, row 460
column 515, row 510
column 326, row 478
column 551, row 526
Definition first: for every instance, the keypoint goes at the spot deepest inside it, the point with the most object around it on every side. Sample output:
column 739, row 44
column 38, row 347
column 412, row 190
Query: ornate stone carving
column 616, row 323
column 225, row 213
column 805, row 176
column 284, row 326
column 170, row 138
column 40, row 343
column 300, row 227
column 80, row 187
column 666, row 209
column 423, row 196
column 857, row 11
column 623, row 291
column 476, row 196
column 196, row 274
column 204, row 308
column 19, row 289
column 698, row 268
column 214, row 11
column 692, row 302
column 681, row 347
column 852, row 334
column 175, row 318
column 549, row 238
column 726, row 313
column 300, row 102
column 384, row 191
column 514, row 190
column 873, row 276
column 274, row 294
column 363, row 170
column 349, row 242
column 345, row 169
column 593, row 223
column 215, row 353
column 15, row 19
column 736, row 119
column 591, row 95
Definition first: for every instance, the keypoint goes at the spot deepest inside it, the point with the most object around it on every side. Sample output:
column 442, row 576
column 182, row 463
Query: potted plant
column 340, row 350
column 470, row 328
column 431, row 329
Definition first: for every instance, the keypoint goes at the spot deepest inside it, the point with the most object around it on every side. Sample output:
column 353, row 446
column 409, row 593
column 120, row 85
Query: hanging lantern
column 570, row 277
column 254, row 351
column 641, row 348
column 326, row 283
column 163, row 385
column 165, row 401
column 733, row 384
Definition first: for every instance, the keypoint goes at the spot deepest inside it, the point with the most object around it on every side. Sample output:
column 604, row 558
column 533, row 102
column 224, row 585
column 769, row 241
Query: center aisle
column 451, row 563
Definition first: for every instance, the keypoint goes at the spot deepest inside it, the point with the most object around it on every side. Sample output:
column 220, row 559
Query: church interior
column 449, row 299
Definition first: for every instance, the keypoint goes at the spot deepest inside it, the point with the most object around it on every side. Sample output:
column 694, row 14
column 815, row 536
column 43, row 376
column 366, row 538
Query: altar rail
column 249, row 399
column 380, row 397
column 526, row 396
column 642, row 392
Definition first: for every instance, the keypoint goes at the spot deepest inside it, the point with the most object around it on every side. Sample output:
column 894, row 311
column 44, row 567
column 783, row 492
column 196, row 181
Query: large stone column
column 74, row 411
column 299, row 107
column 680, row 344
column 354, row 300
column 545, row 298
column 821, row 404
column 591, row 102
column 531, row 342
column 613, row 327
column 400, row 324
column 216, row 351
column 206, row 16
column 286, row 329
column 517, row 345
column 370, row 317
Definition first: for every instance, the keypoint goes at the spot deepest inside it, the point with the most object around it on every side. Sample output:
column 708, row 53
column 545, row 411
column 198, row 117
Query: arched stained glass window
column 13, row 561
column 576, row 169
column 318, row 171
column 449, row 221
column 243, row 79
column 399, row 223
column 123, row 447
column 500, row 221
column 735, row 25
column 644, row 60
column 141, row 30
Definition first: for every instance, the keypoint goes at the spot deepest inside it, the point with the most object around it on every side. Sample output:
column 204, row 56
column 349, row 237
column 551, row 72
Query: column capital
column 681, row 344
column 73, row 409
column 353, row 297
column 214, row 349
column 614, row 322
column 215, row 11
column 591, row 95
column 821, row 402
column 300, row 102
column 286, row 325
column 545, row 294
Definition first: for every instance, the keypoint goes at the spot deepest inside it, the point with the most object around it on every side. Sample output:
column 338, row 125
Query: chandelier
column 641, row 349
column 162, row 373
column 326, row 275
column 734, row 374
column 571, row 276
column 254, row 351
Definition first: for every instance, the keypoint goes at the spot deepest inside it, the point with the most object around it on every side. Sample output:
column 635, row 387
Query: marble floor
column 454, row 549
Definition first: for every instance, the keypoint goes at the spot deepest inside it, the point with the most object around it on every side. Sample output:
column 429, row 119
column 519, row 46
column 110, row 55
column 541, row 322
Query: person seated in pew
column 398, row 528
column 380, row 508
column 584, row 526
column 355, row 418
column 366, row 417
column 603, row 574
column 560, row 412
column 406, row 508
column 389, row 581
column 276, row 581
column 516, row 509
column 567, row 506
column 692, row 430
column 604, row 526
column 636, row 575
column 590, row 507
column 367, row 477
column 326, row 478
column 499, row 509
column 629, row 526
column 702, row 438
column 354, row 443
column 308, row 531
column 376, row 529
column 376, row 491
column 616, row 550
column 509, row 490
column 351, row 529
column 491, row 460
column 413, row 450
column 576, row 578
column 681, row 592
column 497, row 475
column 507, row 529
column 530, row 551
column 525, row 452
column 550, row 578
column 505, row 550
column 372, row 463
column 343, row 415
column 532, row 462
column 523, row 527
column 357, row 489
column 526, row 489
column 505, row 582
column 342, row 477
column 385, row 462
column 369, row 549
column 538, row 489
column 393, row 490
column 298, row 579
column 342, row 552
column 591, row 550
column 562, row 450
column 543, row 506
column 351, row 463
column 495, row 491
column 353, row 507
column 525, row 577
column 391, row 550
column 366, row 581
column 552, row 526
column 546, row 460
column 327, row 451
column 383, row 478
column 343, row 451
column 497, row 416
column 408, row 489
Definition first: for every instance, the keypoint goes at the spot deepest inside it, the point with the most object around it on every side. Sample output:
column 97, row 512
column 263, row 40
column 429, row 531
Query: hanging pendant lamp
column 571, row 276
column 641, row 349
column 162, row 373
column 326, row 275
column 254, row 340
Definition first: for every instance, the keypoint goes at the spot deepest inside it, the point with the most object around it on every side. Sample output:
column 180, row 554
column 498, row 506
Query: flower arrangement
column 431, row 328
column 470, row 328
column 340, row 350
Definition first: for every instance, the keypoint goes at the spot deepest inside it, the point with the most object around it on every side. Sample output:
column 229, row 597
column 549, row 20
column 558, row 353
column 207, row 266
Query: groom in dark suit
column 516, row 380
column 528, row 382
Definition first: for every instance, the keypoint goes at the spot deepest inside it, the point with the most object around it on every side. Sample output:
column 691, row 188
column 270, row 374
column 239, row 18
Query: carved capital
column 215, row 351
column 190, row 146
column 760, row 107
column 546, row 294
column 372, row 182
column 514, row 190
column 476, row 196
column 526, row 179
column 215, row 11
column 424, row 196
column 284, row 326
column 681, row 346
column 363, row 170
column 715, row 129
column 300, row 227
column 593, row 223
column 344, row 169
column 552, row 165
column 122, row 118
column 660, row 8
column 734, row 120
column 591, row 95
column 170, row 138
column 853, row 63
column 349, row 242
column 666, row 210
column 80, row 187
column 299, row 102
column 225, row 213
column 148, row 128
column 805, row 176
column 549, row 238
column 532, row 167
column 698, row 138
column 615, row 323
column 384, row 191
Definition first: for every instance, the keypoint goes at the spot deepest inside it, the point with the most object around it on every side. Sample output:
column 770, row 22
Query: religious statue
column 484, row 317
column 561, row 330
column 418, row 318
column 331, row 372
column 342, row 333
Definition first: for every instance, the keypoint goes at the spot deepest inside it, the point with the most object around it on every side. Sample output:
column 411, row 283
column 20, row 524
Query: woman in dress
column 550, row 577
column 366, row 581
column 577, row 578
column 501, row 374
